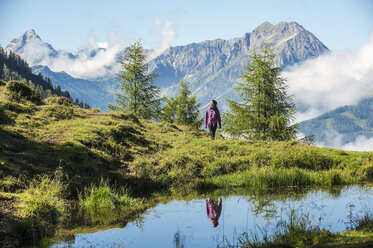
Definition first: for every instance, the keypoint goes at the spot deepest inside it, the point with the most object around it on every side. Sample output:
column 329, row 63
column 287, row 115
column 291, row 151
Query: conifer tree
column 169, row 110
column 265, row 111
column 139, row 94
column 182, row 109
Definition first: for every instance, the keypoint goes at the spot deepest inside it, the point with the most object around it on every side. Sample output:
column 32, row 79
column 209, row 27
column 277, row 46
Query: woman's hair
column 214, row 102
column 214, row 223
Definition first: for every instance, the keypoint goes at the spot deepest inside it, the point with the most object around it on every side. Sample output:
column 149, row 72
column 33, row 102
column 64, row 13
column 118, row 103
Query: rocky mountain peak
column 262, row 28
column 17, row 45
column 31, row 48
column 31, row 34
column 267, row 30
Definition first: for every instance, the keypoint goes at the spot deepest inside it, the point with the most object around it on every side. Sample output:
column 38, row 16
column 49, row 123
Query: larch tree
column 183, row 108
column 265, row 111
column 139, row 95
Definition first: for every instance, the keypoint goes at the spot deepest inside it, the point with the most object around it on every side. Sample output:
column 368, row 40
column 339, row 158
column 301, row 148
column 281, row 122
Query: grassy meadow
column 56, row 156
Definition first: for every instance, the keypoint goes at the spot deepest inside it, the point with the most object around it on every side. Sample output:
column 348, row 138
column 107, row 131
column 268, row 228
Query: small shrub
column 59, row 112
column 17, row 91
column 59, row 101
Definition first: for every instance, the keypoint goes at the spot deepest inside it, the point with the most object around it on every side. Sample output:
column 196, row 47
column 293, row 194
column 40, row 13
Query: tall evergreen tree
column 182, row 109
column 265, row 111
column 139, row 94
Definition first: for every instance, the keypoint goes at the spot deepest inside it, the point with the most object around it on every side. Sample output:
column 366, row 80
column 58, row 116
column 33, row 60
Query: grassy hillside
column 54, row 154
column 350, row 121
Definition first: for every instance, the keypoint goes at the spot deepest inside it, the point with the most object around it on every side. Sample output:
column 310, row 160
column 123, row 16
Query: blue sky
column 69, row 24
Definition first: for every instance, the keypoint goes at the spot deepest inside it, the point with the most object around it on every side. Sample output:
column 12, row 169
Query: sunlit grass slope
column 108, row 161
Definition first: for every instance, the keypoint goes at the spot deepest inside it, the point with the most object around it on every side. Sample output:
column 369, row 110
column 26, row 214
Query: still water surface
column 186, row 222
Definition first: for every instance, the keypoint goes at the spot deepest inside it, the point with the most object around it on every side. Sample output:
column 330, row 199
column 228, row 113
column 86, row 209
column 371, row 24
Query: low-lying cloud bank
column 332, row 80
column 96, row 59
column 335, row 140
column 361, row 143
column 93, row 60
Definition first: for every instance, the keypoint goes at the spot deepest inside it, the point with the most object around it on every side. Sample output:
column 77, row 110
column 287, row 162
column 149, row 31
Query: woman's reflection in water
column 213, row 210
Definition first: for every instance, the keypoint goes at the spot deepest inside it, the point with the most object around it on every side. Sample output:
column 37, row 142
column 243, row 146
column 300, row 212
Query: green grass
column 37, row 137
column 104, row 204
column 44, row 198
column 270, row 177
column 42, row 205
column 298, row 231
column 365, row 223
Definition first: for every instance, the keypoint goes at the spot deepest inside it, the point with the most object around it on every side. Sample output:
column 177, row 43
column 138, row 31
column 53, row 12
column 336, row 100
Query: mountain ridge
column 212, row 67
column 218, row 63
column 93, row 92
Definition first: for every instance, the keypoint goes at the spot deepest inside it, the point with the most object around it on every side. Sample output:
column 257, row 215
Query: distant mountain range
column 95, row 93
column 212, row 68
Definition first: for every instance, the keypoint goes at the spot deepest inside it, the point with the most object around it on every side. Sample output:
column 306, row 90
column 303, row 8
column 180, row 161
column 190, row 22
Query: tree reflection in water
column 179, row 240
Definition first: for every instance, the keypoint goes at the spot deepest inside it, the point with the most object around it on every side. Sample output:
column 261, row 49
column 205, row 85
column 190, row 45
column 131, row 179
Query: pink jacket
column 212, row 117
column 213, row 210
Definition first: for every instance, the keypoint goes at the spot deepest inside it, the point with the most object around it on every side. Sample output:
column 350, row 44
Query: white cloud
column 94, row 60
column 166, row 29
column 103, row 45
column 361, row 143
column 336, row 140
column 35, row 52
column 332, row 80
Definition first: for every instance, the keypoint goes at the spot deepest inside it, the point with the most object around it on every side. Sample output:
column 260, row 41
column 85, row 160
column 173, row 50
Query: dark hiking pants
column 212, row 129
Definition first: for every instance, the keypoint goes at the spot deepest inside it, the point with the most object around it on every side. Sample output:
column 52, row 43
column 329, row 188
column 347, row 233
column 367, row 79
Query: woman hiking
column 212, row 118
